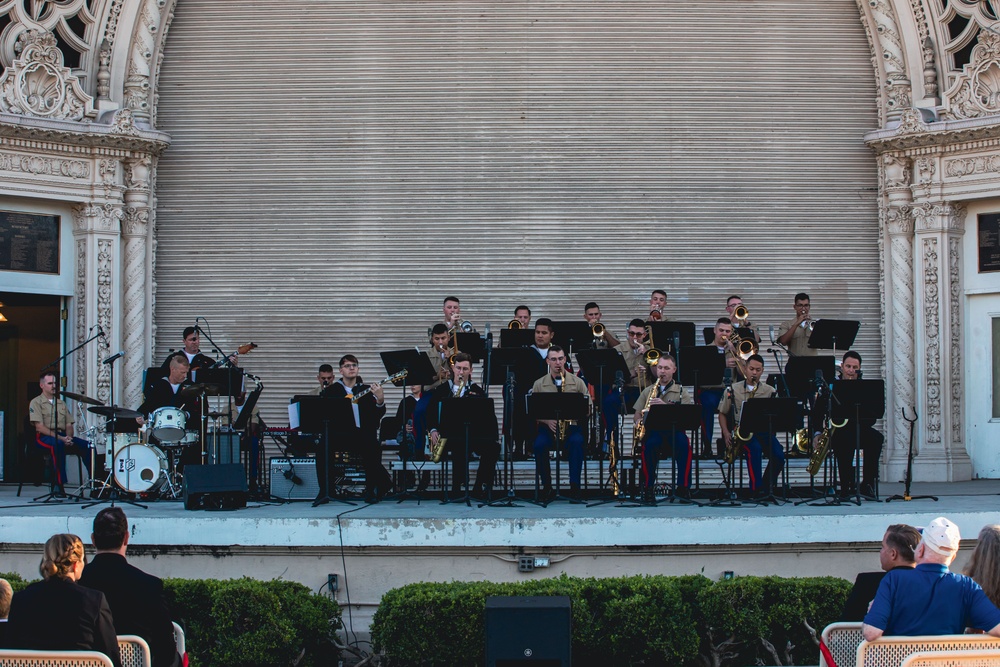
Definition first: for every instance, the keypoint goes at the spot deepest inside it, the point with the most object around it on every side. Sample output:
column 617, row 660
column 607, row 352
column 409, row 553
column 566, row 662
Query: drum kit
column 143, row 463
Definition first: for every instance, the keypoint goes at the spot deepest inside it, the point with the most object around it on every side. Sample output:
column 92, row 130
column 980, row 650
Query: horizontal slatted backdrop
column 338, row 167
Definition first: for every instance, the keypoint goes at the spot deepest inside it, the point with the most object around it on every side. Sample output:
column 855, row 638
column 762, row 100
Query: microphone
column 820, row 382
column 677, row 343
column 859, row 373
column 291, row 476
column 619, row 379
column 727, row 376
column 111, row 359
column 770, row 331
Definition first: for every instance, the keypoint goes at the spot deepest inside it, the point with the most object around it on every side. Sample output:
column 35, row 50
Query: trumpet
column 598, row 331
column 656, row 315
column 514, row 324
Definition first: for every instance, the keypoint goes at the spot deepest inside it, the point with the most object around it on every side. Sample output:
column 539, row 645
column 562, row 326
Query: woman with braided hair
column 56, row 613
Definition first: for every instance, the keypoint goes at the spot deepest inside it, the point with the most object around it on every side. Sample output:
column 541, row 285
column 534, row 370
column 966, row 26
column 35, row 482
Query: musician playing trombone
column 558, row 380
column 361, row 436
column 711, row 394
column 664, row 392
column 633, row 350
column 482, row 437
column 752, row 387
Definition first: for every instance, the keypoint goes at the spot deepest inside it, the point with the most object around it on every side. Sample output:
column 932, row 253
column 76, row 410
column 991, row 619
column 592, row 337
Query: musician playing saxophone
column 844, row 440
column 482, row 437
column 360, row 435
column 558, row 380
column 752, row 388
column 664, row 392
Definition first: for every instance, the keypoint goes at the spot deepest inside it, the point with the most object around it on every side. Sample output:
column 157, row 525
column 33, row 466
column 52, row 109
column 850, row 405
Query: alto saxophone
column 738, row 439
column 823, row 446
column 640, row 429
column 562, row 427
column 437, row 451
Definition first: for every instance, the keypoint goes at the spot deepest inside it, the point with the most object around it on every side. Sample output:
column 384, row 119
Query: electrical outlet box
column 332, row 583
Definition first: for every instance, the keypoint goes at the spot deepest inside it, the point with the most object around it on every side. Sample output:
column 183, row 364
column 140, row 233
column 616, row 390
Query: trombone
column 652, row 355
column 598, row 331
column 514, row 324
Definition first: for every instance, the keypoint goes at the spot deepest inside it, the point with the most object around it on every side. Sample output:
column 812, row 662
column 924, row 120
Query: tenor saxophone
column 562, row 427
column 640, row 428
column 437, row 451
column 737, row 440
column 823, row 446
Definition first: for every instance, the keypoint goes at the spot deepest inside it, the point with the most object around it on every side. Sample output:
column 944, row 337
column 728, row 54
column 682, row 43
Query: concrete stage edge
column 373, row 548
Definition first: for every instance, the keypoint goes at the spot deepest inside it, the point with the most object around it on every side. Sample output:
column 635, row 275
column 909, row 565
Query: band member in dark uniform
column 361, row 437
column 844, row 439
column 483, row 438
column 166, row 392
column 558, row 380
column 191, row 352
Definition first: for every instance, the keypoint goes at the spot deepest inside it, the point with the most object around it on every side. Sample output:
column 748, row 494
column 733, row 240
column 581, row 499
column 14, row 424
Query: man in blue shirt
column 930, row 600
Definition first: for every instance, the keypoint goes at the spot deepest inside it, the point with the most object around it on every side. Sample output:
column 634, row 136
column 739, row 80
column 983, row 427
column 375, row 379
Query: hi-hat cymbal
column 81, row 398
column 193, row 390
column 118, row 413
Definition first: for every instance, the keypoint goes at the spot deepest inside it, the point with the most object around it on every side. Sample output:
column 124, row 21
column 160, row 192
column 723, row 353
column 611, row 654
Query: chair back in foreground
column 181, row 643
column 134, row 651
column 989, row 658
column 843, row 640
column 25, row 658
column 892, row 651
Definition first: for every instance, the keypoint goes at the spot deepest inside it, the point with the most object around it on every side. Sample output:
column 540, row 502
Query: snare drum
column 115, row 442
column 168, row 424
column 140, row 468
column 190, row 438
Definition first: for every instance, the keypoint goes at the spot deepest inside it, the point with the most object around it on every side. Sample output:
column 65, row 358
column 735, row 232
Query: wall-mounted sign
column 989, row 242
column 29, row 242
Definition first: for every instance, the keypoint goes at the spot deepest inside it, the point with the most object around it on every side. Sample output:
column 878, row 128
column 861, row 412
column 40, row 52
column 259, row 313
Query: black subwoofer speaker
column 533, row 631
column 218, row 487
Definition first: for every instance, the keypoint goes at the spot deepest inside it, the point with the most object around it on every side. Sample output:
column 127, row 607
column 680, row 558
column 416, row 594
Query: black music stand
column 858, row 400
column 512, row 367
column 466, row 416
column 560, row 406
column 834, row 334
column 229, row 380
column 800, row 373
column 472, row 344
column 600, row 366
column 517, row 337
column 771, row 416
column 418, row 371
column 698, row 366
column 573, row 335
column 326, row 415
column 671, row 419
column 670, row 335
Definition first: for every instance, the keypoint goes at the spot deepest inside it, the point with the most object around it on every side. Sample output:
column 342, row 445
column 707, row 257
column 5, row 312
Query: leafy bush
column 643, row 620
column 15, row 580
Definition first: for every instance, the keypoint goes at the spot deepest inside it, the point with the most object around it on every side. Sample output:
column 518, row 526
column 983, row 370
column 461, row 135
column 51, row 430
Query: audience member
column 6, row 593
column 56, row 614
column 984, row 565
column 136, row 598
column 930, row 600
column 898, row 545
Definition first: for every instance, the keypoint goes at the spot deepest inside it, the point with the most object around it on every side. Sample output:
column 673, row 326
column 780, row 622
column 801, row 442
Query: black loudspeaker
column 218, row 487
column 533, row 631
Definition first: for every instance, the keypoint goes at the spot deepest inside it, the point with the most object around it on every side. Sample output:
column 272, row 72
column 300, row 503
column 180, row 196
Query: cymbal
column 215, row 415
column 80, row 397
column 193, row 390
column 118, row 413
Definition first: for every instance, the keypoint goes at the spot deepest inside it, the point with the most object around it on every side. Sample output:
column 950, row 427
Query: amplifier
column 283, row 487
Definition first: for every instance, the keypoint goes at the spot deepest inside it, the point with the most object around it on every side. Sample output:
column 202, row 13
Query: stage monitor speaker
column 283, row 477
column 533, row 631
column 218, row 487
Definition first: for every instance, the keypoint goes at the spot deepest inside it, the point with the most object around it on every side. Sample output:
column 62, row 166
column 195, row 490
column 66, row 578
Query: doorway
column 982, row 362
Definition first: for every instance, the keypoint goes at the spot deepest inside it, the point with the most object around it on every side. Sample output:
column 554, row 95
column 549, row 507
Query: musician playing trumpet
column 482, row 437
column 592, row 313
column 664, row 392
column 794, row 334
column 657, row 302
column 633, row 351
column 752, row 387
column 558, row 380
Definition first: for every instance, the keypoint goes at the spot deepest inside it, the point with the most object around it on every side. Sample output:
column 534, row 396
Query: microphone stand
column 508, row 463
column 909, row 465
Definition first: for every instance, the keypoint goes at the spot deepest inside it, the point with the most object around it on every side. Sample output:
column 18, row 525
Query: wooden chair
column 26, row 658
column 134, row 651
column 892, row 651
column 986, row 658
column 843, row 640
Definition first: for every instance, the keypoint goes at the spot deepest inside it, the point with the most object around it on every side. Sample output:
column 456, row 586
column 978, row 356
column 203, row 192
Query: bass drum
column 140, row 468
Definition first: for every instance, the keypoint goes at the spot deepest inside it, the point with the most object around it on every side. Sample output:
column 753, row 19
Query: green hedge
column 645, row 620
column 249, row 623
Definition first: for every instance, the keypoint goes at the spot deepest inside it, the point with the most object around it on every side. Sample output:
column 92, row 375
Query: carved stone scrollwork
column 930, row 71
column 105, row 286
column 955, row 315
column 81, row 311
column 899, row 223
column 39, row 85
column 911, row 122
column 976, row 91
column 932, row 336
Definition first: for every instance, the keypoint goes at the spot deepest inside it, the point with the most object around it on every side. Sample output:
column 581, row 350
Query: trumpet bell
column 655, row 315
column 598, row 330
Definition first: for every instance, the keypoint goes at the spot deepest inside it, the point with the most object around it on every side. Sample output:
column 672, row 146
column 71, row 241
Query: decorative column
column 96, row 237
column 899, row 333
column 135, row 311
column 942, row 456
